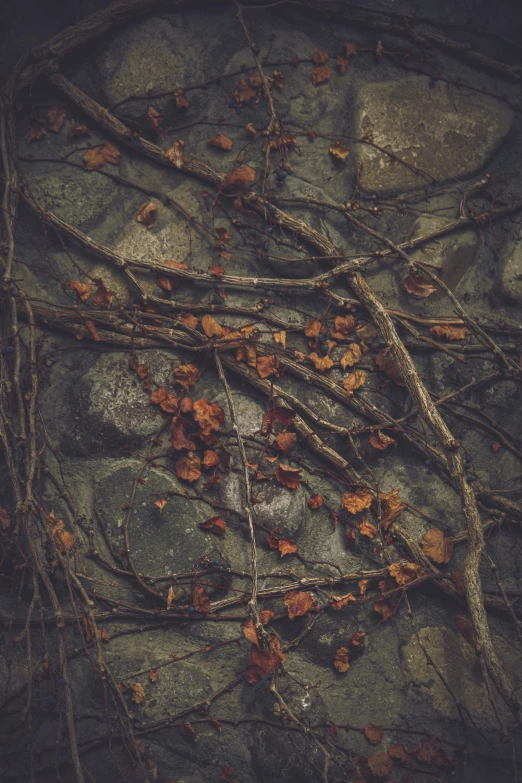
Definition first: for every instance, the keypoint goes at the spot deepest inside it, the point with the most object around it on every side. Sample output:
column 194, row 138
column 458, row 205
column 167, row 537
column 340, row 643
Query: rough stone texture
column 445, row 134
column 511, row 274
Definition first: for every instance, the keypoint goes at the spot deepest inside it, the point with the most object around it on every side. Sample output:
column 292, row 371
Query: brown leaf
column 392, row 507
column 152, row 120
column 186, row 375
column 350, row 48
column 170, row 596
column 465, row 628
column 366, row 332
column 61, row 537
column 264, row 662
column 320, row 57
column 338, row 151
column 343, row 325
column 200, row 600
column 367, row 529
column 5, row 519
column 241, row 176
column 211, row 327
column 356, row 501
column 218, row 271
column 210, row 458
column 428, row 752
column 388, row 365
column 357, row 638
column 93, row 159
column 266, row 366
column 168, row 282
column 189, row 320
column 354, row 381
column 175, row 154
column 298, row 603
column 55, row 117
column 399, row 753
column 102, row 295
column 280, row 337
column 351, row 356
column 221, row 142
column 312, row 329
column 436, row 546
column 380, row 764
column 187, row 730
column 77, row 131
column 417, row 285
column 209, row 416
column 214, row 525
column 321, row 363
column 186, row 405
column 285, row 545
column 343, row 63
column 147, row 214
column 341, row 660
column 449, row 332
column 405, row 573
column 250, row 129
column 249, row 631
column 373, row 733
column 338, row 602
column 181, row 98
column 315, row 501
column 110, row 152
column 362, row 584
column 138, row 693
column 379, row 50
column 279, row 79
column 82, row 289
column 285, row 440
column 384, row 607
column 179, row 434
column 160, row 503
column 91, row 328
column 379, row 440
column 320, row 74
column 153, row 675
column 351, row 537
column 247, row 90
column 188, row 468
column 288, row 477
column 265, row 616
column 246, row 352
column 37, row 129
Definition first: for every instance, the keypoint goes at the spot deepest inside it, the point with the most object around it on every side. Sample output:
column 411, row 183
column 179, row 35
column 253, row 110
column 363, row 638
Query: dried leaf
column 221, row 142
column 341, row 660
column 200, row 600
column 5, row 519
column 187, row 730
column 388, row 365
column 343, row 325
column 218, row 271
column 428, row 752
column 241, row 176
column 82, row 289
column 321, row 363
column 384, row 607
column 288, row 477
column 449, row 332
column 373, row 733
column 181, row 98
column 354, row 381
column 61, row 537
column 55, row 117
column 343, row 63
column 350, row 48
column 465, row 628
column 399, row 753
column 247, row 90
column 320, row 74
column 298, row 603
column 265, row 616
column 147, row 214
column 264, row 662
column 356, row 501
column 77, row 131
column 405, row 573
column 285, row 440
column 93, row 159
column 37, row 129
column 186, row 375
column 246, row 352
column 320, row 57
column 436, row 546
column 392, row 507
column 379, row 440
column 379, row 50
column 102, row 295
column 366, row 332
column 209, row 416
column 279, row 79
column 362, row 584
column 189, row 467
column 338, row 151
column 91, row 328
column 179, row 434
column 367, row 529
column 153, row 675
column 417, row 285
column 160, row 503
column 175, row 154
column 170, row 597
column 210, row 458
column 168, row 282
column 211, row 327
column 280, row 337
column 250, row 129
column 357, row 638
column 266, row 366
column 249, row 631
column 152, row 120
column 315, row 501
column 313, row 328
column 189, row 320
column 214, row 525
column 286, row 546
column 351, row 356
column 380, row 764
column 138, row 693
column 338, row 602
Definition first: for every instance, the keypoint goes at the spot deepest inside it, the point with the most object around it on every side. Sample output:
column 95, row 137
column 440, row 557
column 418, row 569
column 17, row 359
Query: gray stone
column 511, row 274
column 439, row 130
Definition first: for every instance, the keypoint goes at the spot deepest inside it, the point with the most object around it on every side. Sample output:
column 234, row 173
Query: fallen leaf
column 147, row 214
column 247, row 90
column 250, row 129
column 399, row 753
column 221, row 142
column 246, row 352
column 366, row 332
column 449, row 332
column 160, row 503
column 315, row 501
column 211, row 327
column 186, row 375
column 286, row 546
column 266, row 366
column 77, row 131
column 37, row 129
column 338, row 151
column 91, row 328
column 373, row 733
column 285, row 440
column 218, row 271
column 175, row 154
column 379, row 50
column 189, row 320
column 357, row 638
column 200, row 600
column 187, row 730
column 356, row 501
column 264, row 662
column 343, row 63
column 288, row 477
column 168, row 402
column 436, row 546
column 313, row 328
column 350, row 48
column 405, row 573
column 280, row 337
column 102, row 295
column 351, row 356
column 93, row 159
column 320, row 74
column 153, row 675
column 62, row 539
column 249, row 631
column 188, row 468
column 170, row 596
column 389, row 366
column 279, row 79
column 321, row 363
column 55, row 117
column 341, row 660
column 320, row 57
column 380, row 764
column 180, row 98
column 5, row 519
column 179, row 434
column 465, row 628
column 209, row 416
column 298, row 603
column 152, row 120
column 241, row 176
column 138, row 693
column 417, row 285
column 214, row 525
column 265, row 616
column 338, row 602
column 210, row 458
column 428, row 752
column 351, row 537
column 379, row 440
column 367, row 529
column 343, row 325
column 392, row 507
column 384, row 607
column 168, row 282
column 82, row 289
column 354, row 381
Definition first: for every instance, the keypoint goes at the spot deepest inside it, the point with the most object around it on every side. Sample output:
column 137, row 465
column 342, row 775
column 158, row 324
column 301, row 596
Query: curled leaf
column 449, row 332
column 147, row 214
column 221, row 142
column 417, row 285
column 367, row 529
column 180, row 98
column 341, row 660
column 321, row 363
column 339, row 151
column 351, row 356
column 186, row 375
column 211, row 327
column 358, row 501
column 189, row 467
column 169, row 282
column 379, row 440
column 82, row 289
column 405, row 573
column 200, row 600
column 288, row 477
column 354, row 381
column 55, row 117
column 298, row 603
column 388, row 365
column 175, row 154
column 315, row 501
column 392, row 507
column 286, row 546
column 214, row 525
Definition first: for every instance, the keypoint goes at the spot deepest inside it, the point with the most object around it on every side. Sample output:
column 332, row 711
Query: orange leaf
column 246, row 352
column 399, row 753
column 189, row 320
column 89, row 325
column 110, row 152
column 186, row 405
column 298, row 603
column 55, row 117
column 366, row 332
column 186, row 375
column 170, row 596
column 61, row 537
column 285, row 440
column 343, row 325
column 280, row 337
column 340, row 601
column 264, row 662
column 77, row 131
column 354, row 381
column 320, row 74
column 373, row 733
column 181, row 98
column 266, row 366
column 147, row 214
column 349, row 48
column 37, row 129
column 220, row 141
column 313, row 328
column 187, row 730
column 437, row 546
column 343, row 63
column 152, row 120
column 241, row 176
column 188, row 467
column 153, row 675
column 249, row 631
column 211, row 327
column 319, row 57
column 175, row 154
column 428, row 752
column 218, row 271
column 341, row 660
column 210, row 458
column 339, row 151
column 351, row 356
column 367, row 529
column 380, row 764
column 315, row 501
column 321, row 363
column 138, row 693
column 82, row 289
column 178, row 434
column 170, row 282
column 265, row 616
column 285, row 546
column 250, row 129
column 93, row 159
column 160, row 503
column 449, row 332
column 357, row 501
column 381, row 441
column 214, row 525
column 279, row 79
column 209, row 416
column 200, row 600
column 392, row 507
column 362, row 584
column 102, row 295
column 417, row 285
column 288, row 476
column 405, row 573
column 384, row 607
column 357, row 638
